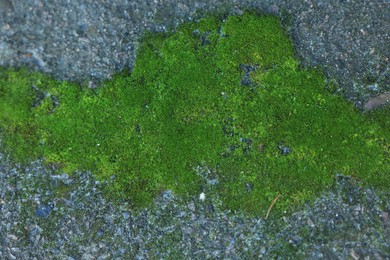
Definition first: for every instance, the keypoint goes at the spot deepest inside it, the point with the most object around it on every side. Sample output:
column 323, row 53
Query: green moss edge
column 191, row 80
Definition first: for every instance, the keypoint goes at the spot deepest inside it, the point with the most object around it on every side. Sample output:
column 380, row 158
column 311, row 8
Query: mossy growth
column 227, row 95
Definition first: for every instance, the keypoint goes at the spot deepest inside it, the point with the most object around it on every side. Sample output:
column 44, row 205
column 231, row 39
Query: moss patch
column 227, row 95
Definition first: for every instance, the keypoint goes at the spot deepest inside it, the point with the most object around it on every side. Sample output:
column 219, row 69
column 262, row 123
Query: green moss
column 227, row 94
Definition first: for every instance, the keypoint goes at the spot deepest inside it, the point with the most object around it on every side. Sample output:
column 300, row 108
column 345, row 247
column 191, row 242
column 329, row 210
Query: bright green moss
column 226, row 94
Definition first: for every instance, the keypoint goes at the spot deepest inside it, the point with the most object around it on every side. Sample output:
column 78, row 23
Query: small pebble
column 43, row 211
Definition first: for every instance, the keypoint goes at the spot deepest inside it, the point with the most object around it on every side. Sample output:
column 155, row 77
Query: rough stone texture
column 80, row 223
column 91, row 40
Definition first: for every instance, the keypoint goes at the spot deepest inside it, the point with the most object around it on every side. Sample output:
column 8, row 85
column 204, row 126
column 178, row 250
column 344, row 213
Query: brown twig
column 272, row 204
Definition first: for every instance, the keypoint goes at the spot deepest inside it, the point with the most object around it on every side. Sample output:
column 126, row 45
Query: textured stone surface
column 92, row 40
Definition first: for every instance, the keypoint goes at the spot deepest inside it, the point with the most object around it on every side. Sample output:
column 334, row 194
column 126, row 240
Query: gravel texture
column 90, row 40
column 80, row 223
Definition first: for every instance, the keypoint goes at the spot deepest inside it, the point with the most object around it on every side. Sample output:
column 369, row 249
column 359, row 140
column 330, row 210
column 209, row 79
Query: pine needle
column 272, row 204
